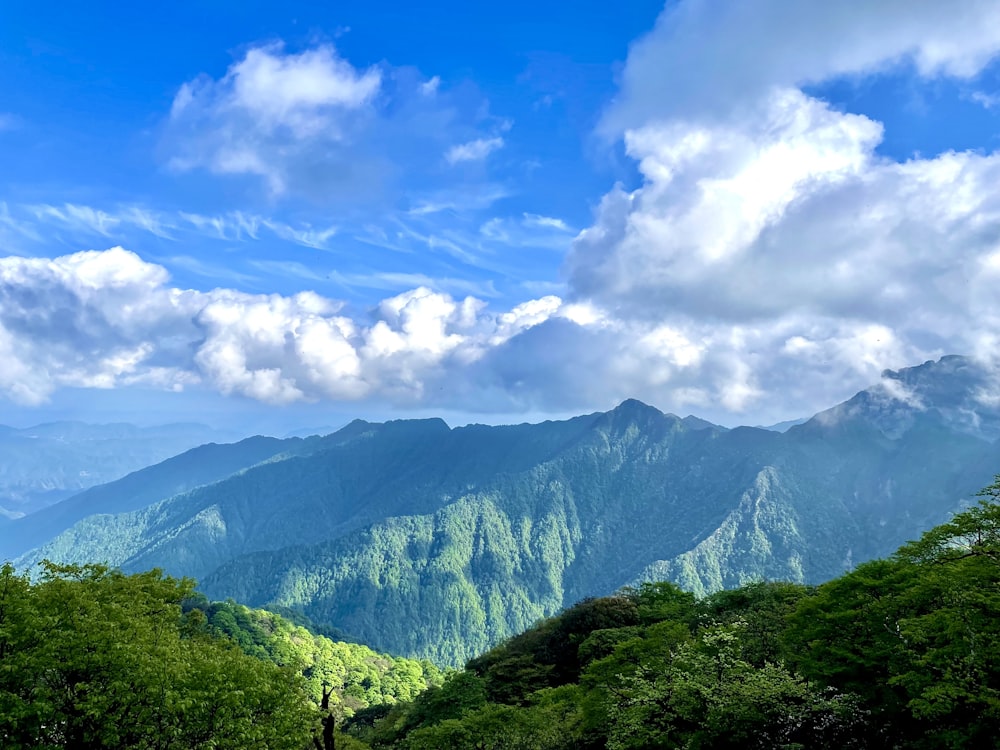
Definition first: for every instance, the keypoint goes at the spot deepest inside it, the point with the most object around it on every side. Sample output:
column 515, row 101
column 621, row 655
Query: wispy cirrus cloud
column 460, row 199
column 16, row 226
column 476, row 150
column 114, row 222
column 97, row 221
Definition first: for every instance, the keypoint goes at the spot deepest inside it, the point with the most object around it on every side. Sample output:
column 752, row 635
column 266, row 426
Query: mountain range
column 434, row 542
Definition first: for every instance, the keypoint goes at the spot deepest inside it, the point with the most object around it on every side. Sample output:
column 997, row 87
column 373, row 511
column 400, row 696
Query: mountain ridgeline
column 47, row 463
column 438, row 543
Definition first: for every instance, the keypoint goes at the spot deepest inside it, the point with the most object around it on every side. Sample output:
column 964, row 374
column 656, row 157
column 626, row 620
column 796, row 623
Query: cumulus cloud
column 104, row 319
column 268, row 104
column 769, row 252
column 708, row 59
column 313, row 125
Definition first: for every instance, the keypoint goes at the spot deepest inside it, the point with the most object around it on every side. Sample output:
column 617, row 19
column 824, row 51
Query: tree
column 916, row 636
column 706, row 696
column 92, row 658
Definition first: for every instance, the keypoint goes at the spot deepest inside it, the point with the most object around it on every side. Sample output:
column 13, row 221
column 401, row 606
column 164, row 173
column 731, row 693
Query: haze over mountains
column 436, row 542
column 46, row 463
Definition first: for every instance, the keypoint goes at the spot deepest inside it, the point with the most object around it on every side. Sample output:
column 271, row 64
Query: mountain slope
column 43, row 464
column 199, row 466
column 438, row 542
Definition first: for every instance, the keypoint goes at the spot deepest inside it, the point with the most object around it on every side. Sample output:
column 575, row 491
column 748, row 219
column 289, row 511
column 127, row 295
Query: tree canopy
column 900, row 653
column 93, row 658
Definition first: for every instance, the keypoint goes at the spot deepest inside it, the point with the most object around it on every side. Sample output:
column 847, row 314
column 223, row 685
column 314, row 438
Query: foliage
column 902, row 653
column 357, row 676
column 918, row 635
column 93, row 658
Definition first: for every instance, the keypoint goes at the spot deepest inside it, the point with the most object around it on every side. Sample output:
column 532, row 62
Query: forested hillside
column 93, row 658
column 470, row 535
column 900, row 653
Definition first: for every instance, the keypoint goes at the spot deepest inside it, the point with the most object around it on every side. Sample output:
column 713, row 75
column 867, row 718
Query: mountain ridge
column 469, row 534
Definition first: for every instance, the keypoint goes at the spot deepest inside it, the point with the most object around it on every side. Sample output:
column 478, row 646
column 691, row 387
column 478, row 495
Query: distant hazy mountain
column 199, row 466
column 438, row 542
column 43, row 464
column 784, row 426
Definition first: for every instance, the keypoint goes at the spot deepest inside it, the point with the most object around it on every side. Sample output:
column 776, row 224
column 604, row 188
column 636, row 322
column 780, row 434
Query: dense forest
column 94, row 658
column 898, row 653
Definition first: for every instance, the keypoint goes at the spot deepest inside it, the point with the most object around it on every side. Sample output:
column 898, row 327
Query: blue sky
column 276, row 215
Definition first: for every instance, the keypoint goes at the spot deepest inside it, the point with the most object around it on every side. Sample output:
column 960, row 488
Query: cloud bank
column 105, row 319
column 769, row 261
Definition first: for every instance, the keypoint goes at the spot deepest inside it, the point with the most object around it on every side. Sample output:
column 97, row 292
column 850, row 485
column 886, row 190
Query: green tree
column 92, row 658
column 916, row 636
column 706, row 696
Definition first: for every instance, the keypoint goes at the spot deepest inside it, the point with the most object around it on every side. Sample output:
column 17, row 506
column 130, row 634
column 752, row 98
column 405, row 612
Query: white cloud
column 989, row 101
column 234, row 225
column 310, row 124
column 430, row 87
column 464, row 199
column 476, row 150
column 267, row 104
column 79, row 217
column 108, row 319
column 302, row 92
column 307, row 236
column 545, row 222
column 297, row 91
column 531, row 230
column 707, row 58
column 770, row 258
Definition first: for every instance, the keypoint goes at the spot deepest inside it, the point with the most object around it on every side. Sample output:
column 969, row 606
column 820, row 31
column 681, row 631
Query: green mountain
column 435, row 542
column 898, row 654
column 199, row 466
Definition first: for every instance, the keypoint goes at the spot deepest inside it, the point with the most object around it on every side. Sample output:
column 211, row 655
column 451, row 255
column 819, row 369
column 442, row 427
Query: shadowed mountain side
column 199, row 466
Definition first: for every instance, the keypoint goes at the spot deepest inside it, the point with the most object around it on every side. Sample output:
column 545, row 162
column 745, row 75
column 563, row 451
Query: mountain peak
column 633, row 406
column 697, row 423
column 959, row 391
